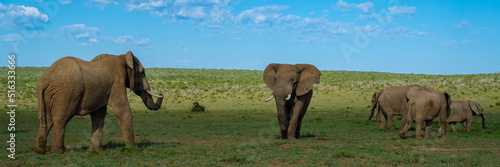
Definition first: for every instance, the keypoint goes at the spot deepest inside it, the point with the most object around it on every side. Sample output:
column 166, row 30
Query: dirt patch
column 446, row 149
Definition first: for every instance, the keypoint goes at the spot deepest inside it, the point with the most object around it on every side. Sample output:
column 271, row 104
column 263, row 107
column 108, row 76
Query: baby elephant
column 462, row 111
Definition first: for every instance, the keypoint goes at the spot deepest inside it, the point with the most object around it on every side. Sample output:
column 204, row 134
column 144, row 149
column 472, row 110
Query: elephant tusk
column 269, row 99
column 371, row 108
column 152, row 94
column 288, row 97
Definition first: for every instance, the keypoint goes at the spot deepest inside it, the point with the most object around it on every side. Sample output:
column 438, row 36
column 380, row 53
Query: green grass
column 239, row 128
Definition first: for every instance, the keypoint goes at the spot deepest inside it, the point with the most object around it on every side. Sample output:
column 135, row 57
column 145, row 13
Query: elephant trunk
column 148, row 100
column 372, row 111
column 283, row 119
column 484, row 119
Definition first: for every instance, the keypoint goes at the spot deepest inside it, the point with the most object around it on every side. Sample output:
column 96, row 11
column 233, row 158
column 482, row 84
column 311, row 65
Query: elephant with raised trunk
column 463, row 111
column 292, row 89
column 72, row 86
column 424, row 105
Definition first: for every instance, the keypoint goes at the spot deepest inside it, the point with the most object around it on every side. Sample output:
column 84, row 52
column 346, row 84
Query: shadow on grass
column 143, row 144
column 308, row 135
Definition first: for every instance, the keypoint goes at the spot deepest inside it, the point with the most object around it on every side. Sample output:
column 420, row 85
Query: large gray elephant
column 425, row 105
column 462, row 111
column 393, row 102
column 375, row 105
column 72, row 86
column 292, row 89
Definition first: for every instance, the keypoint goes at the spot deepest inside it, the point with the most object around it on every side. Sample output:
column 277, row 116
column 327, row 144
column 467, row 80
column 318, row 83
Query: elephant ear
column 270, row 75
column 129, row 59
column 474, row 107
column 309, row 75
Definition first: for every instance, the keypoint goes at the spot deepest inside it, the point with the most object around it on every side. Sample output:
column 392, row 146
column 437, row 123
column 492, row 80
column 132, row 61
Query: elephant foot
column 98, row 148
column 39, row 150
column 58, row 150
column 402, row 135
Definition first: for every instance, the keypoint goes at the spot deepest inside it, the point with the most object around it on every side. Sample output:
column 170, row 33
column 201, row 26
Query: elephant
column 375, row 105
column 393, row 102
column 424, row 105
column 462, row 111
column 292, row 88
column 72, row 86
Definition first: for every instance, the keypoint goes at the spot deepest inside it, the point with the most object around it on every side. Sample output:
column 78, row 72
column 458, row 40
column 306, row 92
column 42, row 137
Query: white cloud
column 400, row 32
column 402, row 10
column 455, row 43
column 204, row 11
column 22, row 17
column 266, row 15
column 379, row 17
column 464, row 24
column 11, row 37
column 344, row 6
column 129, row 40
column 364, row 7
column 82, row 33
column 466, row 41
column 92, row 35
column 419, row 33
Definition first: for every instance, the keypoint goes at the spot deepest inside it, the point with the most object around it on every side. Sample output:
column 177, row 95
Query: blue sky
column 400, row 36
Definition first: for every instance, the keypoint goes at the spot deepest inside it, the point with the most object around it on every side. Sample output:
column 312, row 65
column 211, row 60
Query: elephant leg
column 453, row 127
column 403, row 120
column 418, row 129
column 464, row 124
column 97, row 129
column 389, row 121
column 469, row 124
column 283, row 121
column 428, row 125
column 60, row 117
column 57, row 145
column 43, row 132
column 402, row 132
column 384, row 120
column 301, row 115
column 125, row 121
column 443, row 117
column 295, row 121
column 377, row 115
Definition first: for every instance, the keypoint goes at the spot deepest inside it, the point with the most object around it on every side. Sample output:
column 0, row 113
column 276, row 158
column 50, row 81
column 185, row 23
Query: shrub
column 197, row 107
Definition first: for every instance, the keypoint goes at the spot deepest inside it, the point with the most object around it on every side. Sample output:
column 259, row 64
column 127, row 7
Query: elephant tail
column 42, row 113
column 409, row 115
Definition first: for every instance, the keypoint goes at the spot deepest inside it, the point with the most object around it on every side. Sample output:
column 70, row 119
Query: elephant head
column 374, row 105
column 287, row 81
column 138, row 82
column 478, row 110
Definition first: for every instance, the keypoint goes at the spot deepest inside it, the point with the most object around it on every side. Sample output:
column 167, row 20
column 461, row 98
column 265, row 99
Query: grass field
column 239, row 128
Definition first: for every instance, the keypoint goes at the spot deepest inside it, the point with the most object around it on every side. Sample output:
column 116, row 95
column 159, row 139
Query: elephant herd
column 417, row 104
column 72, row 86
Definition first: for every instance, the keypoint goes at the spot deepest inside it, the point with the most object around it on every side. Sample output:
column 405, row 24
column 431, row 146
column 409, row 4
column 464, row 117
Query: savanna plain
column 239, row 129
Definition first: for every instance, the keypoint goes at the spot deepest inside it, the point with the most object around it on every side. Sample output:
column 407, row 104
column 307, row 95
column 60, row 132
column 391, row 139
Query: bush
column 197, row 107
